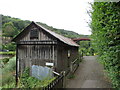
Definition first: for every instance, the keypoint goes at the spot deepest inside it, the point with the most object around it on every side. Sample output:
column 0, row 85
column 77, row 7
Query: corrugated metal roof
column 60, row 37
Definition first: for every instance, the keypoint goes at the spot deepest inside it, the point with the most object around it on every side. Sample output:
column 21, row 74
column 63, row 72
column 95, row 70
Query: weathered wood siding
column 42, row 35
column 74, row 53
column 29, row 55
column 63, row 60
column 37, row 54
column 39, row 51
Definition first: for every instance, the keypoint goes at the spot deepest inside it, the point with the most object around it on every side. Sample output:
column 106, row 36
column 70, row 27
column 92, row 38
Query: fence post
column 64, row 79
column 71, row 67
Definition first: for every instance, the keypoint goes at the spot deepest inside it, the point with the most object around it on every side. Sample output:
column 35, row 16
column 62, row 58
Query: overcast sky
column 63, row 14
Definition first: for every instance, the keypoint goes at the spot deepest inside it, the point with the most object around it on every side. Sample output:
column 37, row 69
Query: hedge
column 105, row 27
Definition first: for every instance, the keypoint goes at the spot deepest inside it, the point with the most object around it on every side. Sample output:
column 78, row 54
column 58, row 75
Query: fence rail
column 74, row 65
column 57, row 83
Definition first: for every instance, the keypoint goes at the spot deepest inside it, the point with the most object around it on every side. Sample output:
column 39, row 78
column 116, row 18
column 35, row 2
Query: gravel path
column 90, row 74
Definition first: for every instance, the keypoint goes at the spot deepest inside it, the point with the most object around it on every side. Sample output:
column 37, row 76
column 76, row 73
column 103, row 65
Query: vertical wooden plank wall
column 42, row 35
column 36, row 55
column 29, row 55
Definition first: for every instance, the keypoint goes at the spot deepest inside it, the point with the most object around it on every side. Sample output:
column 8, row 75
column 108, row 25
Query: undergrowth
column 25, row 81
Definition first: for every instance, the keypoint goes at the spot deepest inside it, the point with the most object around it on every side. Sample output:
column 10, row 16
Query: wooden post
column 71, row 67
column 16, row 65
column 64, row 79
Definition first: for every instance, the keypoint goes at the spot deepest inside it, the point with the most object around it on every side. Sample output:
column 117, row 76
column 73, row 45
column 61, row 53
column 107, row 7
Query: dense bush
column 106, row 37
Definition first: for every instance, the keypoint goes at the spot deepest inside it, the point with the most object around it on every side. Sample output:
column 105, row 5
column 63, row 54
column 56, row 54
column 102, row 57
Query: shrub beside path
column 90, row 74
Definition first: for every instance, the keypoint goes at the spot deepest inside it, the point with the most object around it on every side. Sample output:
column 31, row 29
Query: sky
column 62, row 14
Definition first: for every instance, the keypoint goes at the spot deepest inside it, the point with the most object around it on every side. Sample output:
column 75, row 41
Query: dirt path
column 89, row 75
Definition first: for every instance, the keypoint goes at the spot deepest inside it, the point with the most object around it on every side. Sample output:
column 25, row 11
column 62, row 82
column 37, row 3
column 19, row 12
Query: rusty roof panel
column 60, row 37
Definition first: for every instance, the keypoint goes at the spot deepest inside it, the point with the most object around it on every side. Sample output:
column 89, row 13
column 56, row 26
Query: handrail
column 56, row 73
column 54, row 83
column 74, row 61
column 74, row 65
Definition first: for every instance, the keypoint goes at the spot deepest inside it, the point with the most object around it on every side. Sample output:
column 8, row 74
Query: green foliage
column 5, row 60
column 106, row 37
column 10, row 85
column 26, row 81
column 8, row 71
column 9, row 30
column 11, row 65
column 86, row 48
column 9, row 46
column 18, row 23
column 21, row 24
column 8, row 53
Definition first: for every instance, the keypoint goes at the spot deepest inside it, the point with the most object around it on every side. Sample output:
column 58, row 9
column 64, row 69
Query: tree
column 9, row 30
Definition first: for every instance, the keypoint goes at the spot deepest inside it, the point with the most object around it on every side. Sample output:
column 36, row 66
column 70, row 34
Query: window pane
column 34, row 34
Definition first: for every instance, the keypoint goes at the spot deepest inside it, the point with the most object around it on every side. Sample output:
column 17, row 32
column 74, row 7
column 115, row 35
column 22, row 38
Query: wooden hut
column 37, row 45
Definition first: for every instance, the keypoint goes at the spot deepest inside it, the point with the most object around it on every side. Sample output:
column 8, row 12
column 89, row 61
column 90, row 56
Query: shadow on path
column 90, row 74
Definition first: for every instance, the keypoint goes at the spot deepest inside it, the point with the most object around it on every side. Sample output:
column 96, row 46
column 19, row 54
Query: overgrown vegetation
column 8, row 71
column 106, row 37
column 25, row 81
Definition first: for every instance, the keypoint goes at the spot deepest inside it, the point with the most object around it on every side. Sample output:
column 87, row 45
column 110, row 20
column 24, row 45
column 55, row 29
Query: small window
column 34, row 34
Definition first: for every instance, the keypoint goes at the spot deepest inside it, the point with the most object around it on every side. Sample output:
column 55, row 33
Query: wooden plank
column 17, row 65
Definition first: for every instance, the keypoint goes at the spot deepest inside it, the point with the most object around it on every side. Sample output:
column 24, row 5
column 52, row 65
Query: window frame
column 34, row 33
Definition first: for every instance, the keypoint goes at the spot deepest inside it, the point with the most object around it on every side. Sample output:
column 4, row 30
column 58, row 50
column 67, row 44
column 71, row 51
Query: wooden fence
column 57, row 83
column 74, row 65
